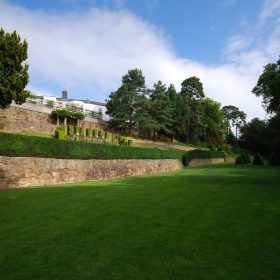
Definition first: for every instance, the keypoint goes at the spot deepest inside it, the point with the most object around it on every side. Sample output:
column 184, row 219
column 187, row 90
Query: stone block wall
column 16, row 172
column 30, row 117
column 205, row 161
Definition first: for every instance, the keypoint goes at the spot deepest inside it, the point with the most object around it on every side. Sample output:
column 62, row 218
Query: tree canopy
column 13, row 73
column 268, row 86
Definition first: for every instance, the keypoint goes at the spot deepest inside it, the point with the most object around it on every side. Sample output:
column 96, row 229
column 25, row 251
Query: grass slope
column 218, row 222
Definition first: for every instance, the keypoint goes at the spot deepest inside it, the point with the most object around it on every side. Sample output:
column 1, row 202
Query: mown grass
column 30, row 146
column 219, row 222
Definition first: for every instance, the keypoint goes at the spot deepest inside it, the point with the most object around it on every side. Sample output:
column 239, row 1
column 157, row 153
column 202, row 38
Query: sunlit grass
column 218, row 222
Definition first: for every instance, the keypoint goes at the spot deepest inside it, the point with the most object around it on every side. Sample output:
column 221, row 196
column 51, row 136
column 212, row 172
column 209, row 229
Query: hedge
column 201, row 154
column 31, row 146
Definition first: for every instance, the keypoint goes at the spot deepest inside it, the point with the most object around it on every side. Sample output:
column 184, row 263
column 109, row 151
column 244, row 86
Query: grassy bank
column 218, row 222
column 30, row 146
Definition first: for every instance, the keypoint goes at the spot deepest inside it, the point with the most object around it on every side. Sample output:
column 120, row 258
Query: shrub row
column 30, row 146
column 201, row 154
column 77, row 133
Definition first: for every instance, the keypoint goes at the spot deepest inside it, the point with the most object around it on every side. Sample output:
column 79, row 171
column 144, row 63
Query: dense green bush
column 30, row 146
column 60, row 133
column 107, row 135
column 89, row 132
column 95, row 133
column 77, row 129
column 71, row 130
column 100, row 134
column 83, row 131
column 243, row 159
column 196, row 154
column 274, row 160
column 258, row 160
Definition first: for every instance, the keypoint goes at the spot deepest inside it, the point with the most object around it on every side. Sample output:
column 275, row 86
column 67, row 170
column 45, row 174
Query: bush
column 100, row 134
column 274, row 160
column 71, row 130
column 83, row 131
column 107, row 135
column 197, row 154
column 258, row 160
column 95, row 133
column 31, row 146
column 89, row 132
column 77, row 129
column 60, row 134
column 129, row 143
column 243, row 159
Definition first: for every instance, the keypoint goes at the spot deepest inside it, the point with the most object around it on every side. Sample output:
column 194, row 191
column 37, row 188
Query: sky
column 86, row 46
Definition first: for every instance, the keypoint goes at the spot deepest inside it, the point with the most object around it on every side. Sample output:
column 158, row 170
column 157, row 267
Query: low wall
column 205, row 161
column 30, row 117
column 18, row 172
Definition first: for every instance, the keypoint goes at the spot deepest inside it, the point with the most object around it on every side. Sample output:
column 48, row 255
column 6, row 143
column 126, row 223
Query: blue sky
column 87, row 46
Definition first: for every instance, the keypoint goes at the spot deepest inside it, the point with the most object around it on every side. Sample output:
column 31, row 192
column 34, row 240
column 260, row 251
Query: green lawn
column 219, row 222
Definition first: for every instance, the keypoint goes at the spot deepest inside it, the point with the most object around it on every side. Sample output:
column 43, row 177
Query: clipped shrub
column 113, row 139
column 77, row 130
column 71, row 130
column 95, row 133
column 129, row 143
column 107, row 135
column 60, row 134
column 243, row 159
column 31, row 146
column 83, row 131
column 100, row 134
column 274, row 160
column 201, row 154
column 258, row 160
column 89, row 132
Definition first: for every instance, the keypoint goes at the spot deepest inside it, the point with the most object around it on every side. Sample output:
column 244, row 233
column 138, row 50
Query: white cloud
column 89, row 52
column 271, row 8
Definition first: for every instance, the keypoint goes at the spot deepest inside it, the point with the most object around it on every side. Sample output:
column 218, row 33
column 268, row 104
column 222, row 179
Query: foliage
column 60, row 133
column 268, row 86
column 253, row 136
column 192, row 93
column 274, row 160
column 243, row 159
column 65, row 113
column 257, row 160
column 19, row 145
column 13, row 74
column 124, row 104
column 201, row 154
column 160, row 110
column 234, row 117
column 71, row 130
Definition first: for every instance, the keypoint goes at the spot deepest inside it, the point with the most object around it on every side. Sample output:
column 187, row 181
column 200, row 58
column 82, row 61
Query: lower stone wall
column 18, row 172
column 205, row 161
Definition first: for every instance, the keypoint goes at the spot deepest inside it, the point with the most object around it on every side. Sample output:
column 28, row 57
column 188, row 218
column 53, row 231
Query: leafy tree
column 234, row 117
column 268, row 86
column 13, row 74
column 192, row 92
column 212, row 121
column 252, row 136
column 124, row 103
column 160, row 109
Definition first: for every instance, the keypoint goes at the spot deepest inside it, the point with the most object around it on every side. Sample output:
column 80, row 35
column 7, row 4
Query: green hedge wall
column 197, row 154
column 29, row 146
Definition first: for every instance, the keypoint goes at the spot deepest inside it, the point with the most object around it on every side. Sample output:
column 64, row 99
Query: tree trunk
column 65, row 121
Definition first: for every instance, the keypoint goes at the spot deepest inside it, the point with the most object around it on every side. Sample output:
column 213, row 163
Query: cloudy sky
column 86, row 46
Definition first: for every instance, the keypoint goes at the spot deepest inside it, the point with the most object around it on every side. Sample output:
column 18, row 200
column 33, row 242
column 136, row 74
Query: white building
column 91, row 108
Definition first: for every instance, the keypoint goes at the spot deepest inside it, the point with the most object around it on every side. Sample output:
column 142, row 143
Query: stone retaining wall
column 205, row 161
column 22, row 118
column 18, row 172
